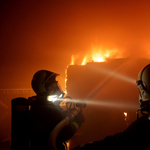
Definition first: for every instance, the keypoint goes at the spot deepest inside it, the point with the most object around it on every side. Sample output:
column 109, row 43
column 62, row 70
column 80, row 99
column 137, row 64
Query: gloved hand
column 79, row 118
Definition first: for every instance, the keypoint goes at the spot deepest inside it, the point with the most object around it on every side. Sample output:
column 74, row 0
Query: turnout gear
column 46, row 114
column 128, row 139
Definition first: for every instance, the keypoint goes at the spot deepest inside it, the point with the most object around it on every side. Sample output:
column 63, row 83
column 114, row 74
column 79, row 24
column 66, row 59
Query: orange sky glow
column 46, row 34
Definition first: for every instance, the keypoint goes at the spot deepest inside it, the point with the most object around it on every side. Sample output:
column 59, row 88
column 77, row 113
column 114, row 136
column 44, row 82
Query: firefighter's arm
column 78, row 120
column 69, row 130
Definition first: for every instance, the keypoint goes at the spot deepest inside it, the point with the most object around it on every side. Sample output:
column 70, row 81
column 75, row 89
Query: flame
column 73, row 58
column 84, row 61
column 125, row 114
column 99, row 57
column 97, row 54
column 126, row 117
column 66, row 81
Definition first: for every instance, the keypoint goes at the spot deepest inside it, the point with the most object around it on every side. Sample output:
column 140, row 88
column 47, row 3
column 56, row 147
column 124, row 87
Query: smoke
column 138, row 49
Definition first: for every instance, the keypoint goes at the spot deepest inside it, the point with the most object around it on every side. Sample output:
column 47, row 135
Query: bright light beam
column 102, row 103
column 110, row 74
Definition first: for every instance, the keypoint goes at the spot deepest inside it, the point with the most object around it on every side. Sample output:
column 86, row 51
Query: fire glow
column 97, row 54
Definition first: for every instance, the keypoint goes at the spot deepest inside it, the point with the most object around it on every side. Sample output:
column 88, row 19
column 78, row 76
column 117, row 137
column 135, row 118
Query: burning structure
column 109, row 88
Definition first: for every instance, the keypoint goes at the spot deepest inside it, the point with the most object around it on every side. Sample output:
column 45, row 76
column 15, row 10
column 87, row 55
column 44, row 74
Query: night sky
column 45, row 34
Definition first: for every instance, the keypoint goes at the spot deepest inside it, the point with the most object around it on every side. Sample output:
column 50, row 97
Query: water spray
column 111, row 74
column 102, row 103
column 79, row 104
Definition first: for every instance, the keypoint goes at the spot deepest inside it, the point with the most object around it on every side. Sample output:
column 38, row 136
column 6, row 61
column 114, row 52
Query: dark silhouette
column 45, row 115
column 34, row 119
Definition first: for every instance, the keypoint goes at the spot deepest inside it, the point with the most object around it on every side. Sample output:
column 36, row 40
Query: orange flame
column 99, row 54
column 125, row 114
column 73, row 58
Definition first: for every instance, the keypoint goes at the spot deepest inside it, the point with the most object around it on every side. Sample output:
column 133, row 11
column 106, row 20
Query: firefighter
column 137, row 135
column 45, row 115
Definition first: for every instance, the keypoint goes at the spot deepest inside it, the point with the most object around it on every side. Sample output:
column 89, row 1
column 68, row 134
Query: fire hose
column 59, row 127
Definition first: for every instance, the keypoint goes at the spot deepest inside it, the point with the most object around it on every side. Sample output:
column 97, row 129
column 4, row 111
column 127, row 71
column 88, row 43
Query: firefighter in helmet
column 45, row 115
column 136, row 136
column 143, row 83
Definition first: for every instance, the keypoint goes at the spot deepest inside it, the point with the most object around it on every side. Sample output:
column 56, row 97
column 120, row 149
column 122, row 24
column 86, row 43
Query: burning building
column 109, row 89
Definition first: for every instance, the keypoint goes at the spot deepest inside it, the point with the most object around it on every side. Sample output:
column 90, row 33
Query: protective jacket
column 136, row 136
column 44, row 116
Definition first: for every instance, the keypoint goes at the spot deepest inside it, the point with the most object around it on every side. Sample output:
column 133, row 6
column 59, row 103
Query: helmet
column 41, row 80
column 143, row 83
